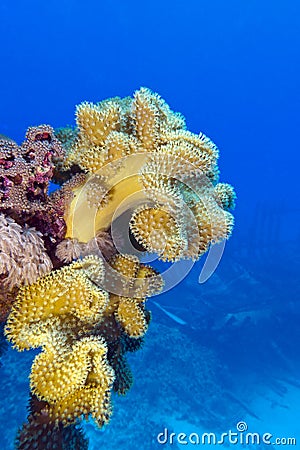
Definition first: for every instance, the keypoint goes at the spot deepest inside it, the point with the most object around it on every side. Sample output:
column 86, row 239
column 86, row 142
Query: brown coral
column 40, row 433
column 101, row 245
column 68, row 250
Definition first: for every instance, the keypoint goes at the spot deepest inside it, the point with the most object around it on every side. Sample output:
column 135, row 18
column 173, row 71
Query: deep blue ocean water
column 232, row 69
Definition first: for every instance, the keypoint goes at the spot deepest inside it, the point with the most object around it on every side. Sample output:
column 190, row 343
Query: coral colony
column 66, row 285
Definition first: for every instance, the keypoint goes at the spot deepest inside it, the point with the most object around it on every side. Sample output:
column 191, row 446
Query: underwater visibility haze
column 149, row 224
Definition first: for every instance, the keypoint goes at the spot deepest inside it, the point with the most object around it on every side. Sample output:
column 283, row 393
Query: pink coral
column 25, row 175
column 26, row 171
column 23, row 259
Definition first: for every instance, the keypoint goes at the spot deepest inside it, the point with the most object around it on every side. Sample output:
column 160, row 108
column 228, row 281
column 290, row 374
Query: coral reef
column 189, row 390
column 70, row 285
column 197, row 387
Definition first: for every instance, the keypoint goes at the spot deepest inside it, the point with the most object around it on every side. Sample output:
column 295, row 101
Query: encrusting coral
column 26, row 171
column 25, row 175
column 71, row 285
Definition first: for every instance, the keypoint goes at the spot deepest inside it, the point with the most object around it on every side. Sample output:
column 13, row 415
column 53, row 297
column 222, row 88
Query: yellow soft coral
column 131, row 317
column 72, row 373
column 225, row 195
column 132, row 282
column 151, row 166
column 127, row 277
column 136, row 281
column 75, row 321
column 158, row 232
column 68, row 293
column 74, row 381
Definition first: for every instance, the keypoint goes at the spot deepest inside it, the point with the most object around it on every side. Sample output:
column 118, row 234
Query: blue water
column 232, row 68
